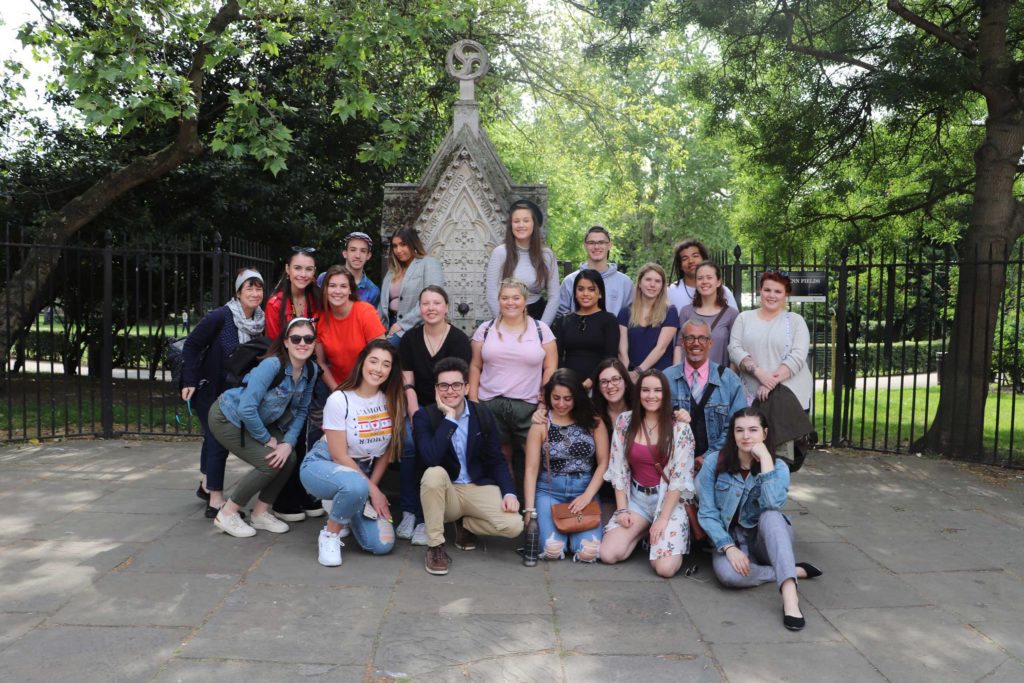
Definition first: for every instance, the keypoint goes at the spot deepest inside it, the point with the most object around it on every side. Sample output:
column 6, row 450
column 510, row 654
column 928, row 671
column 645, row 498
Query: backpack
column 174, row 357
column 247, row 356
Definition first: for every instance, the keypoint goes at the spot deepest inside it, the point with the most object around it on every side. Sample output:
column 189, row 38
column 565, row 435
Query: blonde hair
column 512, row 283
column 658, row 311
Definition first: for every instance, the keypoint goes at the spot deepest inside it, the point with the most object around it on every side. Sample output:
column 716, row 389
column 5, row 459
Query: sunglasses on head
column 302, row 338
column 308, row 251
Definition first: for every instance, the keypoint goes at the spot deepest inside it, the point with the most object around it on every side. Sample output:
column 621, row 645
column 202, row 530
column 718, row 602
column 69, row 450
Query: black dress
column 586, row 340
column 415, row 357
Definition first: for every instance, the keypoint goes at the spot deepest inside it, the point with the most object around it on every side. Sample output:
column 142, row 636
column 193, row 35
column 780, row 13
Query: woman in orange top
column 346, row 327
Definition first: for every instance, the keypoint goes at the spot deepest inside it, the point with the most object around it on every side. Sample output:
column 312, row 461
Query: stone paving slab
column 111, row 572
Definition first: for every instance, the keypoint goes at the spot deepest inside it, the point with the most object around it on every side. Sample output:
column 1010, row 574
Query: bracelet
column 620, row 510
column 529, row 509
column 409, row 386
column 726, row 548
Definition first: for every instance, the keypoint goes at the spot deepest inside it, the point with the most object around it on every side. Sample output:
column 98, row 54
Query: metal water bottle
column 531, row 547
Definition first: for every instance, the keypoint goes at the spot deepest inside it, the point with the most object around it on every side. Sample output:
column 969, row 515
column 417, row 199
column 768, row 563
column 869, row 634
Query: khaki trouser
column 478, row 506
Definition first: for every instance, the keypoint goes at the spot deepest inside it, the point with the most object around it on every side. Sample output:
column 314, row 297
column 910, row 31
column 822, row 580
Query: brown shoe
column 437, row 561
column 464, row 538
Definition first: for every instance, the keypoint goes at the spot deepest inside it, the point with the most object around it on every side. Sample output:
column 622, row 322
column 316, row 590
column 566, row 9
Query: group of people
column 601, row 388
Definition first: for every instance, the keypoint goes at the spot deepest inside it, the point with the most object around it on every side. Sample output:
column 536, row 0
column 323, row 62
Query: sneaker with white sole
column 419, row 534
column 405, row 527
column 312, row 508
column 290, row 515
column 330, row 548
column 269, row 522
column 346, row 529
column 233, row 525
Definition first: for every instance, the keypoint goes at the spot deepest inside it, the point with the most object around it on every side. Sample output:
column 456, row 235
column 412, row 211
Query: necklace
column 299, row 307
column 648, row 431
column 434, row 347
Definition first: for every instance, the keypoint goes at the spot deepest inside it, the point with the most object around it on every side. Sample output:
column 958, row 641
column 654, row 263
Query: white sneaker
column 419, row 534
column 233, row 525
column 345, row 530
column 330, row 548
column 269, row 522
column 405, row 527
column 290, row 516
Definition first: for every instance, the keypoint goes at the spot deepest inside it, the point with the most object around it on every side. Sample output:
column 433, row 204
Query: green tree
column 862, row 116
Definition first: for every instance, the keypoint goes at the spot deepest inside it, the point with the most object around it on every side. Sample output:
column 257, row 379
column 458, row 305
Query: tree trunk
column 958, row 427
column 23, row 295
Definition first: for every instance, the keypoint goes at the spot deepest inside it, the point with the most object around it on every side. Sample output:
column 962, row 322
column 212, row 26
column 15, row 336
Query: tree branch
column 828, row 55
column 967, row 47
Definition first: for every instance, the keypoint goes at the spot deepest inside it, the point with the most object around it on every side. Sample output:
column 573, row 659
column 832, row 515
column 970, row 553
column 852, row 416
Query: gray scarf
column 247, row 327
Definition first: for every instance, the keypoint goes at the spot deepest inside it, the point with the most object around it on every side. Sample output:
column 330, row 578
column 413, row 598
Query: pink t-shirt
column 512, row 366
column 641, row 465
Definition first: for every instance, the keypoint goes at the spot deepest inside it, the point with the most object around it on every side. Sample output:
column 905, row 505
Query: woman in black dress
column 590, row 334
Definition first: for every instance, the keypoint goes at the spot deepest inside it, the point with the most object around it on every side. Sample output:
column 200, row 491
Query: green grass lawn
column 889, row 423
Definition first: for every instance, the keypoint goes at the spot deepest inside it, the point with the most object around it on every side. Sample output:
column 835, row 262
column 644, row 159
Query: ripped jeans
column 562, row 488
column 348, row 492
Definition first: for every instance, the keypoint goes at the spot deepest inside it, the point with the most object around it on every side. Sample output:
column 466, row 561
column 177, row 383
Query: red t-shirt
column 273, row 313
column 344, row 339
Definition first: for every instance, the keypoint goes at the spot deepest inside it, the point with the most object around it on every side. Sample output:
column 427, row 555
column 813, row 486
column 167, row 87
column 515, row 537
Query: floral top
column 680, row 466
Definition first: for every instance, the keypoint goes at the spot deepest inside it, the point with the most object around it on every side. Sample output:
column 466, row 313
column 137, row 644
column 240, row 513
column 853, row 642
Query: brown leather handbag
column 567, row 522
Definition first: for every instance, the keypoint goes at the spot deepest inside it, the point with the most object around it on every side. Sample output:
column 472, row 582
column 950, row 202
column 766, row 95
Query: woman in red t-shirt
column 346, row 327
column 296, row 294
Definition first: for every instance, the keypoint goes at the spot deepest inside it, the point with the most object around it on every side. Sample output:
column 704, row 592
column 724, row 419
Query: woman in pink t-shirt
column 651, row 470
column 513, row 356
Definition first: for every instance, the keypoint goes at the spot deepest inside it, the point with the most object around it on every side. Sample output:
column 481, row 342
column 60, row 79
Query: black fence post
column 217, row 294
column 107, row 351
column 839, row 377
column 737, row 275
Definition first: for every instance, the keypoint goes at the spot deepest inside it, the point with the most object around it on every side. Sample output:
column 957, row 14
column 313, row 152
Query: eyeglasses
column 597, row 243
column 610, row 381
column 452, row 386
column 690, row 338
column 302, row 338
column 308, row 251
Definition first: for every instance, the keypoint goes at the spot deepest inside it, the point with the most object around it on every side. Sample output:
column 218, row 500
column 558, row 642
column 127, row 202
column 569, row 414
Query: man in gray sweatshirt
column 617, row 286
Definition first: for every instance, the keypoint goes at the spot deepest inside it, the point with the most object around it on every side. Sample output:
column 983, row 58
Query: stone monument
column 460, row 206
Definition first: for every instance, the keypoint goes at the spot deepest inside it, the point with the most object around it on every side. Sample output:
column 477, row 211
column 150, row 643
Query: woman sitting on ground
column 364, row 423
column 651, row 469
column 250, row 420
column 218, row 334
column 566, row 458
column 743, row 489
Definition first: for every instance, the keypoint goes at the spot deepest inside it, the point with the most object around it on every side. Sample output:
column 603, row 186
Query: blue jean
column 213, row 457
column 349, row 491
column 562, row 488
column 409, row 483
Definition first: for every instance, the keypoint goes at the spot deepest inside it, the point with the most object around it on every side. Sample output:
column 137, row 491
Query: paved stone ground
column 110, row 572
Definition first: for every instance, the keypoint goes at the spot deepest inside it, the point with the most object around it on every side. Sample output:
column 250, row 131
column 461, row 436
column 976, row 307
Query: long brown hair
column 394, row 394
column 598, row 399
column 729, row 456
column 659, row 307
column 284, row 289
column 412, row 240
column 720, row 299
column 536, row 244
column 666, row 420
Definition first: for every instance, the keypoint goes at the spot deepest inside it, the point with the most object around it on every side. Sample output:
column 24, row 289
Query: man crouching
column 465, row 477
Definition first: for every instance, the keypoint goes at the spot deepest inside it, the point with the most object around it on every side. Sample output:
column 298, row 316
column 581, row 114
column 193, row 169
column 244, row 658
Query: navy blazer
column 484, row 460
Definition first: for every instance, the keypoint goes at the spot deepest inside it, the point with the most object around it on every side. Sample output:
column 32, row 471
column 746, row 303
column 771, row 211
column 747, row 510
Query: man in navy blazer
column 464, row 476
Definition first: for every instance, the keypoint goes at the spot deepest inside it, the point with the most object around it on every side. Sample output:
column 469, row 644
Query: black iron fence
column 91, row 361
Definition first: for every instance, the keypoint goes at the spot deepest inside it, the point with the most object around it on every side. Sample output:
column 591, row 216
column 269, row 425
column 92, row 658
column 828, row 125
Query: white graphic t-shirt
column 365, row 421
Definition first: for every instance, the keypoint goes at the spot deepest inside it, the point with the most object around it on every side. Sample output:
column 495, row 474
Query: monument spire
column 467, row 62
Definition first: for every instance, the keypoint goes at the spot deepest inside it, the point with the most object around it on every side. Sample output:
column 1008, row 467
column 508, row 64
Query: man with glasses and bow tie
column 708, row 392
column 465, row 478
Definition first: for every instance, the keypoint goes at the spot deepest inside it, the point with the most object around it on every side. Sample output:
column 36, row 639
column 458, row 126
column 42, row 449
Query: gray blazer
column 423, row 271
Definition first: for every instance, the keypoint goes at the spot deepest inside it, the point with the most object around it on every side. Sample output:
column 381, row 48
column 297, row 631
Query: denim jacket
column 252, row 405
column 727, row 397
column 721, row 495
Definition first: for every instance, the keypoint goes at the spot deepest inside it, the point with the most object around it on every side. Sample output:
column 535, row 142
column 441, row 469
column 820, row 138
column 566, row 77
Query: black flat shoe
column 812, row 571
column 793, row 623
column 202, row 493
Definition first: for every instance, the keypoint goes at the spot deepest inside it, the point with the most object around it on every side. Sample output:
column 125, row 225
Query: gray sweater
column 524, row 271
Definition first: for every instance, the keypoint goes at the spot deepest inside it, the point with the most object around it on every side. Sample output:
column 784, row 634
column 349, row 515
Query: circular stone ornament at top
column 467, row 60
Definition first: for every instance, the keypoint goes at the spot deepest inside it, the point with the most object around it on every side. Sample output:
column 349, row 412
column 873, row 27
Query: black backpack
column 247, row 356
